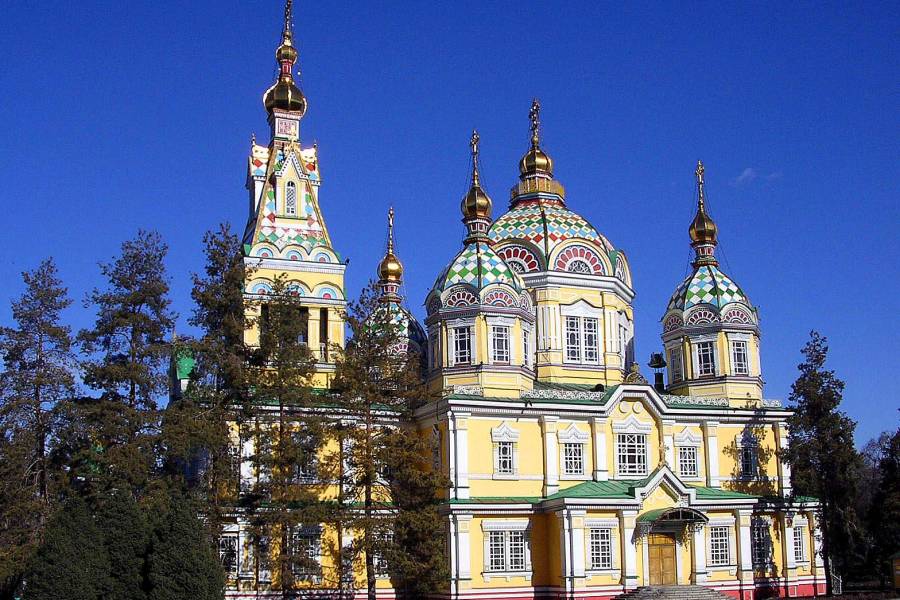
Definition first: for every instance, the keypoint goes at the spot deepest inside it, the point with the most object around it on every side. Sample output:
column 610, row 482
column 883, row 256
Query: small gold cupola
column 476, row 205
column 284, row 94
column 390, row 269
column 703, row 230
column 536, row 162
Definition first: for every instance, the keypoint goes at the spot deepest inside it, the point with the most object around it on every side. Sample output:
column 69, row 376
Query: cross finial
column 288, row 19
column 473, row 143
column 699, row 173
column 390, row 229
column 535, row 115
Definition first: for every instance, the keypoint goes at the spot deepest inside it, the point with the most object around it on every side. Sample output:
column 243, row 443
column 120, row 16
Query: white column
column 788, row 545
column 784, row 469
column 572, row 546
column 458, row 429
column 629, row 550
column 710, row 434
column 669, row 441
column 598, row 429
column 551, row 454
column 463, row 546
column 699, row 543
column 745, row 557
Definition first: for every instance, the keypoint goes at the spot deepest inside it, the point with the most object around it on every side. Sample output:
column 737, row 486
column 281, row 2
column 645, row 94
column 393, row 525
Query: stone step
column 672, row 592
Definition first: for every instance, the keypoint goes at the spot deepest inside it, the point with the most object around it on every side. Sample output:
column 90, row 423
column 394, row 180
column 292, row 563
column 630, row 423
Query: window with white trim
column 290, row 199
column 582, row 340
column 749, row 467
column 799, row 543
column 573, row 458
column 462, row 345
column 719, row 552
column 760, row 544
column 507, row 551
column 526, row 347
column 687, row 461
column 631, row 452
column 307, row 554
column 706, row 358
column 228, row 554
column 740, row 364
column 676, row 367
column 505, row 461
column 500, row 344
column 306, row 467
column 600, row 544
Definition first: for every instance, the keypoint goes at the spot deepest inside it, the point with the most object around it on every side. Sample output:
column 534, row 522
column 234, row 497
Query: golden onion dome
column 390, row 268
column 536, row 162
column 286, row 51
column 703, row 229
column 285, row 95
column 476, row 204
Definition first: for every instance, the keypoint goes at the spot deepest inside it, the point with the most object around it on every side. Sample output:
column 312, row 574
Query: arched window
column 579, row 266
column 290, row 199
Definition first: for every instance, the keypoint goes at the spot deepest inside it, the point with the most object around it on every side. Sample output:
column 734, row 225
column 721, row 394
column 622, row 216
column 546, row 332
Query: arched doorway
column 661, row 554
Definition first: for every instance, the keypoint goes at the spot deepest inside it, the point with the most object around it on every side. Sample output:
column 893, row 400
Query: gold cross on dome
column 474, row 142
column 534, row 114
column 699, row 172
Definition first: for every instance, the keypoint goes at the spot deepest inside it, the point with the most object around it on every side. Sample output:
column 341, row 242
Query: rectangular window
column 290, row 199
column 631, row 450
column 600, row 549
column 505, row 464
column 706, row 358
column 719, row 554
column 761, row 545
column 379, row 555
column 228, row 554
column 573, row 459
column 799, row 543
column 307, row 550
column 234, row 461
column 262, row 557
column 462, row 345
column 748, row 462
column 306, row 466
column 500, row 344
column 526, row 348
column 591, row 340
column 573, row 339
column 739, row 363
column 506, row 551
column 687, row 461
column 676, row 369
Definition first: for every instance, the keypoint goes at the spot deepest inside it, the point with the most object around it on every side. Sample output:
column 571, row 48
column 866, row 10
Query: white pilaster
column 458, row 427
column 699, row 548
column 669, row 441
column 629, row 551
column 551, row 454
column 710, row 435
column 784, row 469
column 572, row 546
column 745, row 557
column 463, row 547
column 788, row 546
column 598, row 429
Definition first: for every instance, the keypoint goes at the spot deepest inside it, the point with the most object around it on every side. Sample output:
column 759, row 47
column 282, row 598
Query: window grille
column 228, row 554
column 719, row 553
column 573, row 459
column 500, row 343
column 739, row 362
column 687, row 461
column 290, row 199
column 507, row 551
column 573, row 339
column 600, row 549
column 675, row 364
column 706, row 359
column 631, row 449
column 748, row 461
column 505, row 464
column 761, row 544
column 799, row 543
column 462, row 345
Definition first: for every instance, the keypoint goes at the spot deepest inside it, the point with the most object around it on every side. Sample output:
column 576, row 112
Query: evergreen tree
column 380, row 383
column 884, row 514
column 126, row 536
column 71, row 562
column 823, row 460
column 37, row 374
column 128, row 357
column 287, row 430
column 182, row 563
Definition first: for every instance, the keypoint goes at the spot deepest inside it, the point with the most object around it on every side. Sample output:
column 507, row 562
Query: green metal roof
column 184, row 365
column 612, row 489
column 497, row 500
column 709, row 493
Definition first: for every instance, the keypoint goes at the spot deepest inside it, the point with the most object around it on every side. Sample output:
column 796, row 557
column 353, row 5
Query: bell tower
column 286, row 235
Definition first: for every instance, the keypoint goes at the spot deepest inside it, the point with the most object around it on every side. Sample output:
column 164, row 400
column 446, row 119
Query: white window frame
column 632, row 427
column 590, row 340
column 527, row 348
column 744, row 364
column 573, row 339
column 505, row 437
column 687, row 438
column 289, row 188
column 704, row 369
column 801, row 550
column 504, row 534
column 574, row 439
column 751, row 450
column 382, row 567
column 575, row 350
column 688, row 456
column 600, row 549
column 312, row 540
column 573, row 459
column 457, row 352
column 232, row 539
column 611, row 525
column 500, row 344
column 760, row 544
column 714, row 554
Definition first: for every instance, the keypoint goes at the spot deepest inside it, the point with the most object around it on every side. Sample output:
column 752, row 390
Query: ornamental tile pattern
column 479, row 266
column 707, row 285
column 525, row 222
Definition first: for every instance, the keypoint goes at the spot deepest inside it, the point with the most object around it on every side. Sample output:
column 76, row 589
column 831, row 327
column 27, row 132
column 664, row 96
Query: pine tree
column 126, row 537
column 286, row 430
column 128, row 354
column 71, row 562
column 823, row 460
column 379, row 386
column 182, row 563
column 884, row 514
column 38, row 373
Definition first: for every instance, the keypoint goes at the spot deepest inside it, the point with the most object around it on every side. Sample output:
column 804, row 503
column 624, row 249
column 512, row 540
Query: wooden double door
column 661, row 555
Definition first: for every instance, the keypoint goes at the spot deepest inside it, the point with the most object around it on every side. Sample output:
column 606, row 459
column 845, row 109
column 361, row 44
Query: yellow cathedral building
column 571, row 476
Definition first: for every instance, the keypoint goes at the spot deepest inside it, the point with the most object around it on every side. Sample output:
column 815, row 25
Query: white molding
column 688, row 438
column 504, row 433
column 600, row 523
column 505, row 525
column 631, row 425
column 572, row 434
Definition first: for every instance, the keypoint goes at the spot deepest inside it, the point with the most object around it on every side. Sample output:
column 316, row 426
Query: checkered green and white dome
column 707, row 285
column 545, row 226
column 478, row 266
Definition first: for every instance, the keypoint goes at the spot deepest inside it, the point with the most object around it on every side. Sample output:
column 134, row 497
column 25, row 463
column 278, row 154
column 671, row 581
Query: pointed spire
column 536, row 162
column 703, row 230
column 473, row 143
column 476, row 204
column 285, row 95
column 535, row 116
column 390, row 270
column 288, row 31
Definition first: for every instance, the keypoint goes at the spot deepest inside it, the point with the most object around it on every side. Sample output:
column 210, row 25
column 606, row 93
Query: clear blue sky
column 120, row 115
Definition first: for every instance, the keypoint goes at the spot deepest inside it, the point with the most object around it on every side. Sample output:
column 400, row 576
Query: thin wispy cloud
column 746, row 176
column 774, row 176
